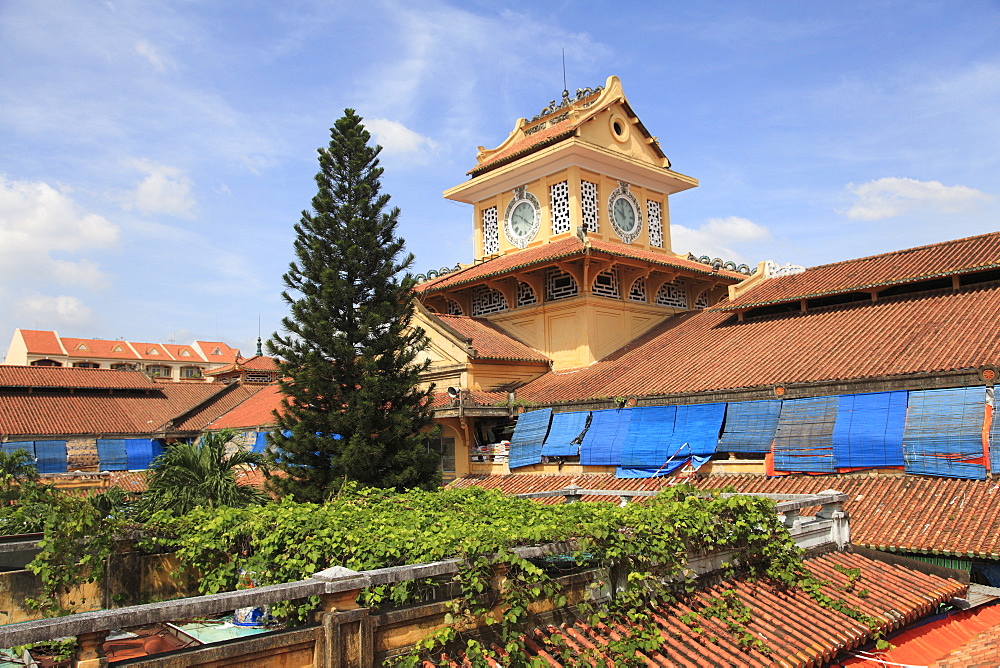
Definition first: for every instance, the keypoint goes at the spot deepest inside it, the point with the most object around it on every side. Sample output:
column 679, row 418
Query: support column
column 90, row 650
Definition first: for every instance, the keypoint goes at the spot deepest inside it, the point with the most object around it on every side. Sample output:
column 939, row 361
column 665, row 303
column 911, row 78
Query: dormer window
column 217, row 351
column 117, row 349
column 81, row 346
column 185, row 353
column 152, row 351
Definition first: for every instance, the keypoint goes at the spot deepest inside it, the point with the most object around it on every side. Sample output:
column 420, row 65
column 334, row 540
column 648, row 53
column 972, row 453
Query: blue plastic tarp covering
column 14, row 446
column 803, row 440
column 995, row 440
column 602, row 445
column 645, row 449
column 140, row 452
column 566, row 428
column 944, row 431
column 529, row 435
column 260, row 443
column 111, row 454
column 869, row 429
column 650, row 471
column 50, row 456
column 696, row 430
column 749, row 426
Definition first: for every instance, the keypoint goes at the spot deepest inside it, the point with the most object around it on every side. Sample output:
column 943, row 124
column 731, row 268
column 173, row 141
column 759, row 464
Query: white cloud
column 397, row 139
column 893, row 196
column 718, row 237
column 37, row 221
column 164, row 190
column 150, row 53
column 53, row 311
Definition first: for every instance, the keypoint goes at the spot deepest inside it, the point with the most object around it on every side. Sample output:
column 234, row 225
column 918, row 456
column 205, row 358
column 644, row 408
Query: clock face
column 522, row 219
column 624, row 214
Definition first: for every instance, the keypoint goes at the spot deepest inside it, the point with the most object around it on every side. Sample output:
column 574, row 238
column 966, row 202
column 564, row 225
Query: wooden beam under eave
column 463, row 299
column 630, row 275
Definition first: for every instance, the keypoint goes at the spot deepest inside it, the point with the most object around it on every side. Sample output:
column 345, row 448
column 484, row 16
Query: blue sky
column 154, row 156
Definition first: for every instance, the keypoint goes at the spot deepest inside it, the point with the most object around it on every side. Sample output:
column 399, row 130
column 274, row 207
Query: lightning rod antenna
column 565, row 87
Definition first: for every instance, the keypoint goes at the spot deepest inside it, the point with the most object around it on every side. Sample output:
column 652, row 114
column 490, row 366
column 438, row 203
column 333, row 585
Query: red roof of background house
column 146, row 351
column 982, row 651
column 200, row 417
column 70, row 377
column 709, row 350
column 489, row 341
column 102, row 348
column 796, row 629
column 901, row 513
column 80, row 413
column 256, row 411
column 177, row 351
column 562, row 248
column 226, row 354
column 921, row 263
column 41, row 342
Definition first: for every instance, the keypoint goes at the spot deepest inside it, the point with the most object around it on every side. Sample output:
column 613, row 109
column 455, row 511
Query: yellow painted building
column 573, row 260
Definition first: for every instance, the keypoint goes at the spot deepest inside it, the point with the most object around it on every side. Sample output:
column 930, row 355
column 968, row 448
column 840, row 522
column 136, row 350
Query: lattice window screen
column 588, row 193
column 653, row 210
column 454, row 308
column 491, row 231
column 525, row 294
column 672, row 294
column 559, row 199
column 638, row 291
column 560, row 285
column 486, row 300
column 606, row 284
column 702, row 300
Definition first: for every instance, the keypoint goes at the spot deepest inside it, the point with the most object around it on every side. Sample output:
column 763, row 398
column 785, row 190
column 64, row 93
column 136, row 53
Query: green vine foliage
column 644, row 547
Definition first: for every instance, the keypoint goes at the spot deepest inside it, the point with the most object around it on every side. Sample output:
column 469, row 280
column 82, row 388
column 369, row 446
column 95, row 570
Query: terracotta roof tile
column 183, row 353
column 217, row 405
column 797, row 630
column 475, row 397
column 226, row 354
column 709, row 350
column 921, row 263
column 99, row 412
column 152, row 351
column 256, row 411
column 902, row 513
column 255, row 363
column 527, row 144
column 69, row 377
column 981, row 651
column 489, row 341
column 563, row 248
column 41, row 342
column 102, row 348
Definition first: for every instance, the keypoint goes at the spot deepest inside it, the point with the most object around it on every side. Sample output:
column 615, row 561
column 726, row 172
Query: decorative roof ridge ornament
column 566, row 101
column 773, row 270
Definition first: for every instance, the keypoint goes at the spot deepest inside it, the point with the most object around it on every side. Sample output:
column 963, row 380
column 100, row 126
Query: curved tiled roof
column 256, row 411
column 564, row 248
column 489, row 341
column 913, row 264
column 255, row 363
column 223, row 402
column 903, row 513
column 708, row 350
column 70, row 377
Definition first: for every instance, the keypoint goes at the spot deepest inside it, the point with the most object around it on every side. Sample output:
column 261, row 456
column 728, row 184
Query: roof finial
column 565, row 87
column 259, row 351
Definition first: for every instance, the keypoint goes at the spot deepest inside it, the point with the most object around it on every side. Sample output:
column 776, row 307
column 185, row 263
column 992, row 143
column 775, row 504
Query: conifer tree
column 349, row 356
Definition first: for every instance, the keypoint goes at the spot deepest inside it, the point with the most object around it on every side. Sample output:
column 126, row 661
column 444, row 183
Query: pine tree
column 348, row 354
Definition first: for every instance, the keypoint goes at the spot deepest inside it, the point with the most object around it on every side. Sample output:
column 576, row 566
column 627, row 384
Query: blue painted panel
column 603, row 442
column 750, row 426
column 566, row 428
column 529, row 435
column 869, row 429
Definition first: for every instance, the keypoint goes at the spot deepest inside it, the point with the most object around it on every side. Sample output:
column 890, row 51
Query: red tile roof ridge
column 667, row 258
column 508, row 262
column 914, row 249
column 72, row 377
column 490, row 341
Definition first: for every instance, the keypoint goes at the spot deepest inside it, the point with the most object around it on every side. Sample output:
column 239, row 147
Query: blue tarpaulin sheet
column 869, row 430
column 602, row 445
column 140, row 452
column 994, row 439
column 944, row 431
column 50, row 456
column 261, row 442
column 111, row 454
column 696, row 430
column 645, row 449
column 566, row 428
column 749, row 426
column 529, row 434
column 803, row 440
column 14, row 446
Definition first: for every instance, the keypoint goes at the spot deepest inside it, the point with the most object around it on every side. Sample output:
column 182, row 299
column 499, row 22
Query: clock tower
column 586, row 163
